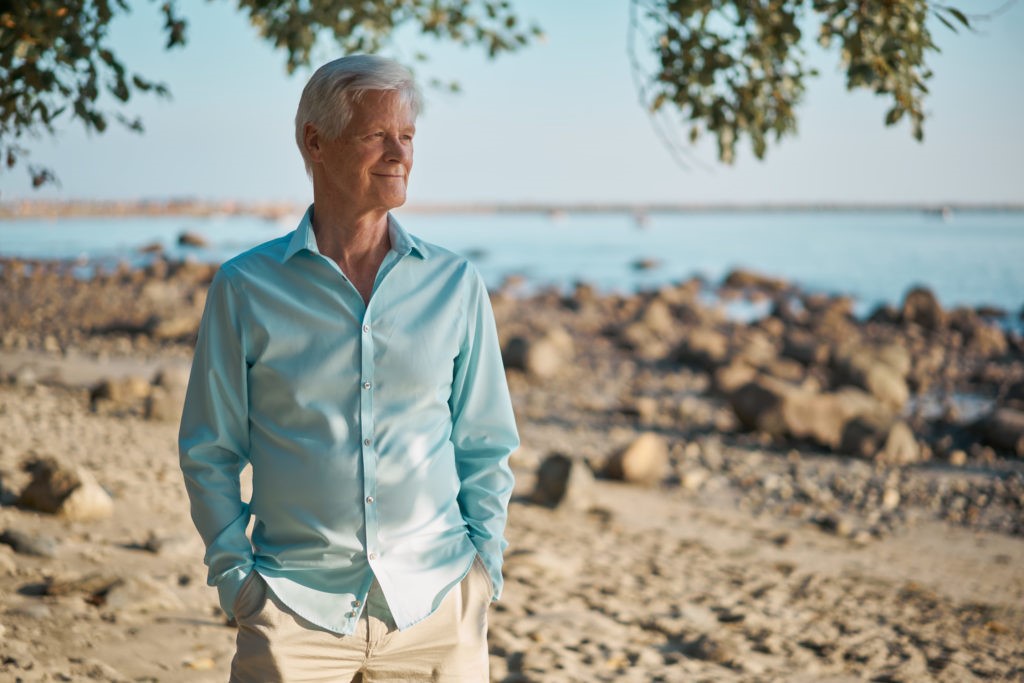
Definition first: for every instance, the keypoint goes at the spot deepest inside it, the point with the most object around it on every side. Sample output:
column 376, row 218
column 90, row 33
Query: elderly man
column 357, row 369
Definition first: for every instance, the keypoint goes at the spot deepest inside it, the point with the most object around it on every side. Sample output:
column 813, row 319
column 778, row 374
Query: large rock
column 747, row 279
column 644, row 462
column 882, row 371
column 1004, row 429
column 120, row 391
column 167, row 395
column 880, row 438
column 804, row 347
column 703, row 347
column 541, row 357
column 921, row 307
column 563, row 483
column 70, row 492
column 785, row 411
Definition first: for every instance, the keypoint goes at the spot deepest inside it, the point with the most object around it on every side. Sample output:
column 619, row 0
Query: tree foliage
column 56, row 60
column 729, row 68
column 733, row 68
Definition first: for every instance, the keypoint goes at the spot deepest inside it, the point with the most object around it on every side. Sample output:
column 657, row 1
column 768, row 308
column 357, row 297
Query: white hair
column 327, row 99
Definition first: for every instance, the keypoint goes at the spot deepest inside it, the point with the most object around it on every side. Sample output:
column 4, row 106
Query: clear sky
column 557, row 121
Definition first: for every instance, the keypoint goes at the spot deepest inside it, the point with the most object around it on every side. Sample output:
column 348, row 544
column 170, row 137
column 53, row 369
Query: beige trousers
column 275, row 645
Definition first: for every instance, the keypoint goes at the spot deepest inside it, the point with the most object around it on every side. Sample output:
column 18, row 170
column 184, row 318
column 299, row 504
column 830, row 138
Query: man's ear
column 311, row 140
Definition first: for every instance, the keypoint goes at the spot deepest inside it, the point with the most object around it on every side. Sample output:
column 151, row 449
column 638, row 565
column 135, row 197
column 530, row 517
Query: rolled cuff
column 228, row 587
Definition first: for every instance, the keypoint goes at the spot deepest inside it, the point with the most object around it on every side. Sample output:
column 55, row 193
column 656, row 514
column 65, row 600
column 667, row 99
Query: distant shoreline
column 28, row 209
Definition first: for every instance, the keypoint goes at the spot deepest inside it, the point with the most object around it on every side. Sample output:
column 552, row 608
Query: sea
column 968, row 258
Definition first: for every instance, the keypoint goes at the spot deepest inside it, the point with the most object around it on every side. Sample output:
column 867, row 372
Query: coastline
column 802, row 496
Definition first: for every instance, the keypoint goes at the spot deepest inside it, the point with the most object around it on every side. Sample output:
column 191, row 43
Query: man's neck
column 356, row 242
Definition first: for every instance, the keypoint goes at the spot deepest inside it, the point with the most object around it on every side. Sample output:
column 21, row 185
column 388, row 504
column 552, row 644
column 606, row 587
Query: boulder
column 804, row 347
column 173, row 326
column 748, row 279
column 192, row 239
column 542, row 357
column 921, row 307
column 1003, row 428
column 882, row 371
column 782, row 410
column 70, row 492
column 703, row 347
column 644, row 462
column 120, row 391
column 880, row 438
column 563, row 483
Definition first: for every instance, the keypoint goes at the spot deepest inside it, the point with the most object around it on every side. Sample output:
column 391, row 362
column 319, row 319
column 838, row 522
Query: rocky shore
column 801, row 497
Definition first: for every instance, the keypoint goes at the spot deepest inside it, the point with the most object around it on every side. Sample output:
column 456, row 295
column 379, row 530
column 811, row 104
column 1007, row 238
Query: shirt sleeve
column 483, row 432
column 213, row 441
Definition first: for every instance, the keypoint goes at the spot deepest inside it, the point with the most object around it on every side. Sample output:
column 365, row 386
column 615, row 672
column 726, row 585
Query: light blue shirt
column 379, row 434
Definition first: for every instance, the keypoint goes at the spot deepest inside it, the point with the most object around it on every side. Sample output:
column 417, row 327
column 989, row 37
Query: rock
column 120, row 391
column 804, row 347
column 162, row 406
column 747, row 279
column 731, row 377
column 1003, row 428
column 94, row 585
column 141, row 594
column 70, row 492
column 152, row 248
column 921, row 307
column 644, row 462
column 703, row 347
column 174, row 326
column 880, row 438
column 658, row 318
column 192, row 239
column 28, row 544
column 563, row 483
column 645, row 264
column 881, row 371
column 541, row 358
column 782, row 410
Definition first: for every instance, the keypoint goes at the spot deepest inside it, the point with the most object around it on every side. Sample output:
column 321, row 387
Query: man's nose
column 396, row 149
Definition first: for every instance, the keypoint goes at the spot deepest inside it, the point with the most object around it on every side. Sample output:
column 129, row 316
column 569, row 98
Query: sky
column 558, row 121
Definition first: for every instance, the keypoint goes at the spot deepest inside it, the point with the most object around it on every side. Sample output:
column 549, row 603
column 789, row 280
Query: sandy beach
column 804, row 497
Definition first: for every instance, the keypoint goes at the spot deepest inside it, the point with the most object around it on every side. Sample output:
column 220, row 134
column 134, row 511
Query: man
column 357, row 368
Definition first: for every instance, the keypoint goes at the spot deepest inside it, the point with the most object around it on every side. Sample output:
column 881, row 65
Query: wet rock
column 748, row 279
column 1004, row 429
column 192, row 239
column 29, row 544
column 644, row 462
column 563, row 482
column 70, row 492
column 921, row 307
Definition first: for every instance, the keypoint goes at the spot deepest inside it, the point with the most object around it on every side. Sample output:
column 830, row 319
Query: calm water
column 974, row 258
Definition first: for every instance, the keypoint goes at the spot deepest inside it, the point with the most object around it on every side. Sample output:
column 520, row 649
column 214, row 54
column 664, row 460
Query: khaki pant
column 276, row 646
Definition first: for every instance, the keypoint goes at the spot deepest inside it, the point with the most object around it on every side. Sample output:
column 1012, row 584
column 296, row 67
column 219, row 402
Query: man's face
column 368, row 165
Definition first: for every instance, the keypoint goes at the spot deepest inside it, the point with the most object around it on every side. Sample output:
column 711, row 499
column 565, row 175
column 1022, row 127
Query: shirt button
column 366, row 328
column 372, row 556
column 356, row 603
column 366, row 442
column 369, row 499
column 366, row 385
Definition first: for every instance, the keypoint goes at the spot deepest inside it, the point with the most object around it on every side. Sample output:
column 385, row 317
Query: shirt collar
column 304, row 238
